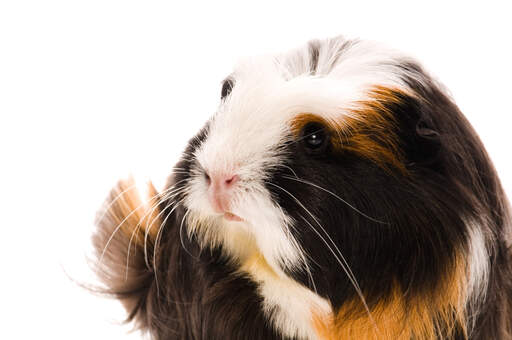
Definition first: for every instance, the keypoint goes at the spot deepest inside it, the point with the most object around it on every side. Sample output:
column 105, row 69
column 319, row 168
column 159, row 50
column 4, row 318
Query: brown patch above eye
column 369, row 130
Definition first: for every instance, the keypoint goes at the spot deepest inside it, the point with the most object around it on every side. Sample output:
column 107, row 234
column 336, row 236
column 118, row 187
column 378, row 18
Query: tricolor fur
column 397, row 227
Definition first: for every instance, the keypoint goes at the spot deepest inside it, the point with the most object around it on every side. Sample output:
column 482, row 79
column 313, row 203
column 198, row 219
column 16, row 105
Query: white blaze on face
column 247, row 135
column 236, row 145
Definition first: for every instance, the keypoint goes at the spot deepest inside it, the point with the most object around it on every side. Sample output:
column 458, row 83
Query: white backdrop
column 93, row 90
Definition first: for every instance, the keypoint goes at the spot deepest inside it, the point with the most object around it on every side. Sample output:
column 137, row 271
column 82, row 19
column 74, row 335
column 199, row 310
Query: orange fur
column 431, row 316
column 369, row 131
column 135, row 216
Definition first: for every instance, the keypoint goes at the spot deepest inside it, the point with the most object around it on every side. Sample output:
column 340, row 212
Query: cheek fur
column 264, row 229
column 396, row 305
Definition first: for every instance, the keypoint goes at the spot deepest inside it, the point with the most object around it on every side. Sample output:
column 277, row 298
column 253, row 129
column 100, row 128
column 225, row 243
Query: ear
column 428, row 142
column 123, row 242
column 425, row 131
column 423, row 141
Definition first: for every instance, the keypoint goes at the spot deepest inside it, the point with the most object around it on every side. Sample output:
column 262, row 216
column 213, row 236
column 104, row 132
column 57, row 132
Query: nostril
column 232, row 180
column 218, row 183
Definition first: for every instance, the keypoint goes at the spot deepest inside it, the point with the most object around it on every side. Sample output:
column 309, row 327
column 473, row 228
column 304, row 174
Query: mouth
column 232, row 217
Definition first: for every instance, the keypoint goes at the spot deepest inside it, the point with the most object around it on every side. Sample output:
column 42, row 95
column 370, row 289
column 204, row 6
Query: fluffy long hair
column 365, row 207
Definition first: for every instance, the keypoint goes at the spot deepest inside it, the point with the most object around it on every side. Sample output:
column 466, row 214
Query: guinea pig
column 337, row 193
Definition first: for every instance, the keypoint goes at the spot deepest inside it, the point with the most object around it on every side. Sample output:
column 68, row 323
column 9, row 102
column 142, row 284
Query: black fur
column 394, row 227
column 417, row 220
column 200, row 295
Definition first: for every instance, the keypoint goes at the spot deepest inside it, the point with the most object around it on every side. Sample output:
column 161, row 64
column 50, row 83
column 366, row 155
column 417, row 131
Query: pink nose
column 220, row 191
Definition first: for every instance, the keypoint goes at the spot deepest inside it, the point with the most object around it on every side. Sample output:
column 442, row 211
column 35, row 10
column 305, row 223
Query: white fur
column 265, row 229
column 478, row 265
column 252, row 124
column 288, row 304
column 246, row 137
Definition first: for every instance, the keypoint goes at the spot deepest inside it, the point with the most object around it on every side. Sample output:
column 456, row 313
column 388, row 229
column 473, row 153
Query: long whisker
column 134, row 232
column 302, row 254
column 107, row 208
column 165, row 194
column 336, row 196
column 139, row 225
column 344, row 264
column 291, row 170
column 158, row 235
column 181, row 235
column 118, row 227
column 136, row 229
column 171, row 194
column 350, row 274
column 151, row 225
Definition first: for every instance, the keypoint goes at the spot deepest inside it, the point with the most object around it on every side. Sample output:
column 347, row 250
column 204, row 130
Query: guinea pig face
column 296, row 110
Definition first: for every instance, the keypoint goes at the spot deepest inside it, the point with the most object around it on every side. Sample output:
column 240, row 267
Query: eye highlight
column 314, row 137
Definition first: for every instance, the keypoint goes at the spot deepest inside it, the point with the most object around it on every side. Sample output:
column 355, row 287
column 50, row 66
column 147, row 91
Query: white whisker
column 137, row 227
column 107, row 208
column 120, row 225
column 166, row 193
column 336, row 196
column 171, row 194
column 158, row 234
column 344, row 264
column 181, row 234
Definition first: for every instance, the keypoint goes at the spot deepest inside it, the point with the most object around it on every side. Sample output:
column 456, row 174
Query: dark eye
column 227, row 87
column 314, row 137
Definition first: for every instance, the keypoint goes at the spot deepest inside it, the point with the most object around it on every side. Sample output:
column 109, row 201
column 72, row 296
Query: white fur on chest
column 288, row 305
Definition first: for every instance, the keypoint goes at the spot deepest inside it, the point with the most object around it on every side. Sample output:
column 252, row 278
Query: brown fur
column 123, row 250
column 366, row 131
column 435, row 315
